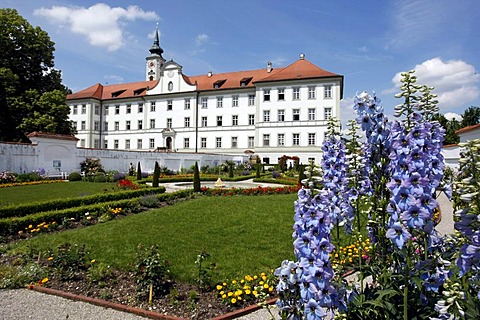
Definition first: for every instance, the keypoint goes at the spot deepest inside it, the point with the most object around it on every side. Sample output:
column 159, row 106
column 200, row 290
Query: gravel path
column 27, row 304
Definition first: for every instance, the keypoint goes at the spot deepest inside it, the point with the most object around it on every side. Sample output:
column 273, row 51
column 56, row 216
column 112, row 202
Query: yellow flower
column 238, row 292
column 242, row 281
column 248, row 291
column 44, row 280
column 222, row 293
column 93, row 261
column 270, row 289
column 234, row 281
column 224, row 284
column 233, row 300
column 255, row 277
column 50, row 258
column 265, row 286
column 224, row 296
column 261, row 283
column 255, row 293
column 230, row 293
column 219, row 287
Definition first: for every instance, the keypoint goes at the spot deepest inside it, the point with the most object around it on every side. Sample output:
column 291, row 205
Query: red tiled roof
column 40, row 134
column 300, row 69
column 114, row 91
column 469, row 128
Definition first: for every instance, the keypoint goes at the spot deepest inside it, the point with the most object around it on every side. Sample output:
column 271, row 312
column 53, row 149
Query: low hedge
column 12, row 225
column 60, row 204
column 279, row 181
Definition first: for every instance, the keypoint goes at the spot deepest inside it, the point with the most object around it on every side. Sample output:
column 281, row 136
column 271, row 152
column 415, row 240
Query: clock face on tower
column 151, row 64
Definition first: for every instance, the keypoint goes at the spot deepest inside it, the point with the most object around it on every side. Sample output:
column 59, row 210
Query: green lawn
column 243, row 235
column 44, row 192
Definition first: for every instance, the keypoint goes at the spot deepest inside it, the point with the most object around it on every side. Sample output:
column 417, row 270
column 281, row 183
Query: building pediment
column 171, row 80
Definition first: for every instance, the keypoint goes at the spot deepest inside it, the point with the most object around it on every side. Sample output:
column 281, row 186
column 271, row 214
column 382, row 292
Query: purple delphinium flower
column 398, row 234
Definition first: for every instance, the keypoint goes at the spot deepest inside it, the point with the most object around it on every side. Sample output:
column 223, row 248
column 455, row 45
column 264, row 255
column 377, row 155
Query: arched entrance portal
column 169, row 143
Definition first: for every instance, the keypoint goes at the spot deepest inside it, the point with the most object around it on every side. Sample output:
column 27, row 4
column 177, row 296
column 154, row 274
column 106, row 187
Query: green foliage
column 75, row 176
column 91, row 167
column 471, row 116
column 13, row 276
column 152, row 271
column 150, row 201
column 100, row 177
column 139, row 172
column 32, row 97
column 231, row 166
column 156, row 175
column 205, row 271
column 258, row 168
column 68, row 260
column 196, row 178
column 99, row 272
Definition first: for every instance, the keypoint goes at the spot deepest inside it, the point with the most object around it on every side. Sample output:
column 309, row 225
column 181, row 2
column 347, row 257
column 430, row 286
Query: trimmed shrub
column 196, row 178
column 156, row 175
column 74, row 176
column 139, row 172
column 100, row 177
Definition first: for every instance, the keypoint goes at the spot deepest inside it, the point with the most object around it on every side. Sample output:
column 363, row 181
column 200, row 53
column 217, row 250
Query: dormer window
column 139, row 91
column 217, row 84
column 117, row 93
column 245, row 81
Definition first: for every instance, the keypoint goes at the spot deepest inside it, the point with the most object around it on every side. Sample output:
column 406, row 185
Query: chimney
column 269, row 66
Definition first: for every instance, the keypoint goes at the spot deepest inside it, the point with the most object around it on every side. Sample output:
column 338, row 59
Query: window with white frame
column 296, row 139
column 169, row 105
column 312, row 92
column 153, row 106
column 327, row 93
column 117, row 109
column 96, row 125
column 218, row 142
column 169, row 123
column 74, row 110
column 204, row 121
column 151, row 143
column 187, row 104
column 105, row 111
column 117, row 125
column 203, row 142
column 327, row 113
column 105, row 143
column 139, row 144
column 266, row 94
column 84, row 109
column 140, row 124
column 219, row 102
column 83, row 125
column 74, row 125
column 266, row 140
column 186, row 143
column 235, row 101
column 152, row 123
column 127, row 144
column 296, row 93
column 96, row 143
column 281, row 115
column 204, row 103
column 115, row 144
column 234, row 142
column 219, row 121
column 311, row 160
column 127, row 125
column 281, row 139
column 186, row 122
column 251, row 99
column 251, row 142
column 234, row 120
column 82, row 143
column 311, row 114
column 129, row 109
column 105, row 126
column 296, row 114
column 281, row 94
column 251, row 119
column 97, row 109
column 266, row 115
column 140, row 108
column 311, row 139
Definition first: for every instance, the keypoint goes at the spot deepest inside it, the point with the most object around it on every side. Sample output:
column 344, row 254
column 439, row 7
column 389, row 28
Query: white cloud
column 201, row 39
column 104, row 26
column 113, row 78
column 453, row 115
column 346, row 110
column 456, row 82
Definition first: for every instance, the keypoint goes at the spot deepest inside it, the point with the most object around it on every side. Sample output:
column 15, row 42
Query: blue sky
column 369, row 42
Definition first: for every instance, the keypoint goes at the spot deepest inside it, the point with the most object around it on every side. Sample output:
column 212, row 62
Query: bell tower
column 154, row 60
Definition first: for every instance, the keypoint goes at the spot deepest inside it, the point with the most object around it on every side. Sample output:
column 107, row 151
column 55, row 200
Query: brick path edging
column 138, row 311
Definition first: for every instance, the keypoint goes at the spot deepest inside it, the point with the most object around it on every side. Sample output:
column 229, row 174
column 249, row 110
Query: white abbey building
column 270, row 112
